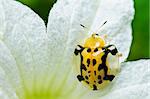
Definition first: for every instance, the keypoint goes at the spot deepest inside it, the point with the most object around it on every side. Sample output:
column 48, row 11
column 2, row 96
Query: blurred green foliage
column 140, row 44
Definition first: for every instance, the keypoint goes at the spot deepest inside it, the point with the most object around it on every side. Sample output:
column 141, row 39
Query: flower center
column 42, row 92
column 39, row 95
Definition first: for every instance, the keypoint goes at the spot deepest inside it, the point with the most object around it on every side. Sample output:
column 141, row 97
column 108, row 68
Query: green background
column 140, row 44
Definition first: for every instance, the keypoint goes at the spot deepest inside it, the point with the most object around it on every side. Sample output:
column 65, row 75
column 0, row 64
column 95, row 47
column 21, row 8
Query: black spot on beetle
column 96, row 49
column 88, row 62
column 94, row 62
column 87, row 82
column 88, row 50
column 86, row 77
column 89, row 71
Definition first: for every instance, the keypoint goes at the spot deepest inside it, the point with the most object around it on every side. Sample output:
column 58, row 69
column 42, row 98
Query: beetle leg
column 80, row 78
column 112, row 49
column 108, row 49
column 78, row 50
column 106, row 76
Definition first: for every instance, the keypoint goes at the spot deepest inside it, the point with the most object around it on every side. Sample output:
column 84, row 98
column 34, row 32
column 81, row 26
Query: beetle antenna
column 88, row 28
column 83, row 26
column 101, row 26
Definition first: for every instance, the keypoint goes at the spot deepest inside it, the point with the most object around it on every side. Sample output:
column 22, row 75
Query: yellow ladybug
column 98, row 62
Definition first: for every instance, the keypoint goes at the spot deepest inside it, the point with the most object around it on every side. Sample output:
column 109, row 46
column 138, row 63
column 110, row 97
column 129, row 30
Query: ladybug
column 98, row 62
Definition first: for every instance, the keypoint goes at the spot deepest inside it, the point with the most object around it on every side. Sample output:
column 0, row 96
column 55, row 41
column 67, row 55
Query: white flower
column 35, row 61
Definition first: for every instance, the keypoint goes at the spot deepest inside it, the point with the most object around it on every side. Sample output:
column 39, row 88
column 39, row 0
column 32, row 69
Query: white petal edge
column 26, row 39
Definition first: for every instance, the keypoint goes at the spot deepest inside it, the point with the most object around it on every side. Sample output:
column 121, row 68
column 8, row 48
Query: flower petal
column 6, row 90
column 57, row 30
column 133, row 82
column 8, row 63
column 134, row 92
column 2, row 18
column 25, row 38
